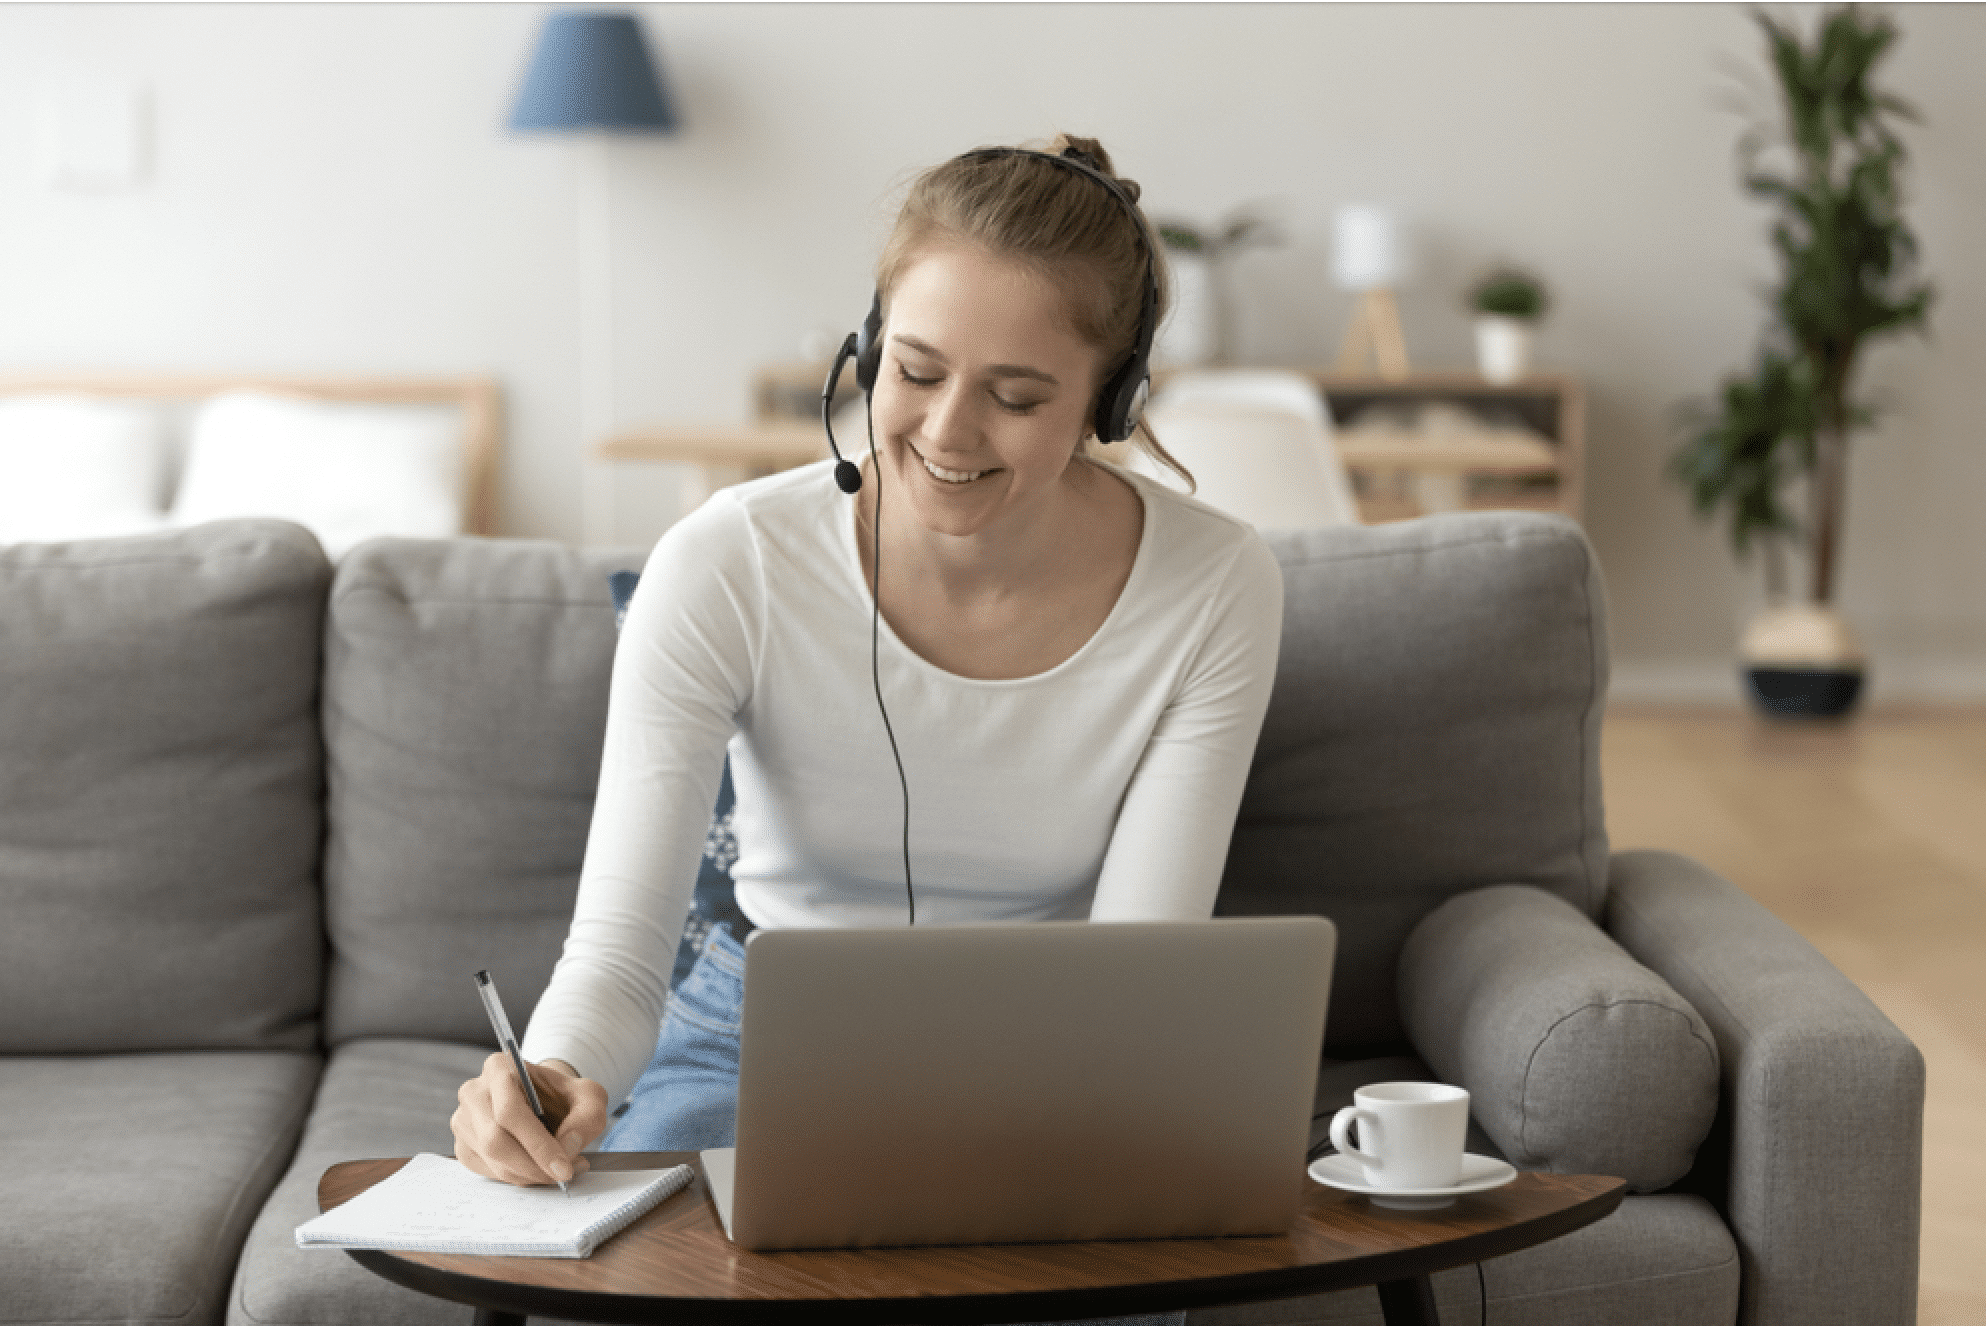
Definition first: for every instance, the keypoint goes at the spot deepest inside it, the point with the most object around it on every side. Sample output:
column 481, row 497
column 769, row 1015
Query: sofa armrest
column 1823, row 1096
column 1577, row 1058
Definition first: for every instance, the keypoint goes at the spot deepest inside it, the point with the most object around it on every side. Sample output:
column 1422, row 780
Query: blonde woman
column 1076, row 662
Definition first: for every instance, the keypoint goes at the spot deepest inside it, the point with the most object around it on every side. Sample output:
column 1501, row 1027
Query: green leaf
column 1846, row 273
column 1510, row 292
column 1739, row 453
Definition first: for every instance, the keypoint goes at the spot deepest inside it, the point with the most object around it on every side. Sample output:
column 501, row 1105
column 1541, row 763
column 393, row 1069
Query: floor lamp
column 592, row 75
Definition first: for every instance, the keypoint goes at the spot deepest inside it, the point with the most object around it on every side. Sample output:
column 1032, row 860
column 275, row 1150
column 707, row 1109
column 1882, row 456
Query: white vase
column 1503, row 348
column 1187, row 337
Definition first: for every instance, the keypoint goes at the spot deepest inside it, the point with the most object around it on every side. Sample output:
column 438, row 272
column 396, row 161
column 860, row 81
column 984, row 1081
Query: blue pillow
column 621, row 585
column 715, row 902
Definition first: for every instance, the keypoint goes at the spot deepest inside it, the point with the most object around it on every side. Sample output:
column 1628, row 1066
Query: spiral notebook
column 433, row 1204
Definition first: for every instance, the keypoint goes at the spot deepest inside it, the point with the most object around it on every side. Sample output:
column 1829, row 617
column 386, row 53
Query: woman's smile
column 956, row 478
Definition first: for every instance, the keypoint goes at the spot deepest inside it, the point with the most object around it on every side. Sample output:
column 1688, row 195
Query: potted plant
column 1200, row 329
column 1847, row 273
column 1507, row 302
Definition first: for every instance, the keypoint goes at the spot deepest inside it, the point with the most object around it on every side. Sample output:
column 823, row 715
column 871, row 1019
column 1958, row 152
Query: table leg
column 491, row 1317
column 1407, row 1302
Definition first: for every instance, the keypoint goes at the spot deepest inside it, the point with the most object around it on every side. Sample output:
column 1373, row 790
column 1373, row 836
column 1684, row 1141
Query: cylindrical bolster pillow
column 1577, row 1058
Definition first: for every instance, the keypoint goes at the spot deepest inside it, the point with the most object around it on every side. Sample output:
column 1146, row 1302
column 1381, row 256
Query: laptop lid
column 1025, row 1082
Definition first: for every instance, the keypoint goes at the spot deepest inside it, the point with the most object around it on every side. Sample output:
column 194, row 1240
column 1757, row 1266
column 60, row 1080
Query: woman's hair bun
column 1097, row 157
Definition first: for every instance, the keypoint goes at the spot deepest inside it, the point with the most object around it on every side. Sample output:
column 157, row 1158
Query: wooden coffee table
column 674, row 1265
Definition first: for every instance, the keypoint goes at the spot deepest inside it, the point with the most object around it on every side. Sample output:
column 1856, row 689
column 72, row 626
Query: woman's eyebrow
column 997, row 370
column 1023, row 371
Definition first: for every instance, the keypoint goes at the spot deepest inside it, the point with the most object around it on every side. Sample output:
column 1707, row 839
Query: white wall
column 333, row 192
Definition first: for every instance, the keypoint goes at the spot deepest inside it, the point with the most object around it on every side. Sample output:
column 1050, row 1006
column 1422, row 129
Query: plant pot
column 1802, row 661
column 1503, row 348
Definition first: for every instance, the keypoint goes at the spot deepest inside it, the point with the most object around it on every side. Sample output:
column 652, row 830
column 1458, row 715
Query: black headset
column 1120, row 402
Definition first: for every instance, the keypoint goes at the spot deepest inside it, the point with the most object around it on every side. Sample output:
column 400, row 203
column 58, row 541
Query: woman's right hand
column 497, row 1136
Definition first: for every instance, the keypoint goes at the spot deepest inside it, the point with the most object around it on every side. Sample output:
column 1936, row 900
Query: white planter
column 1801, row 660
column 1503, row 348
column 1191, row 330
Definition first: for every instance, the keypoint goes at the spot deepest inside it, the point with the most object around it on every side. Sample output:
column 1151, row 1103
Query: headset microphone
column 846, row 476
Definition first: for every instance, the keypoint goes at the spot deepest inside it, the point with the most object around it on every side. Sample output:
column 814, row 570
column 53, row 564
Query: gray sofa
column 259, row 823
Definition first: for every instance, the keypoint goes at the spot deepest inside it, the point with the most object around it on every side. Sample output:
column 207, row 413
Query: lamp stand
column 596, row 337
column 1375, row 332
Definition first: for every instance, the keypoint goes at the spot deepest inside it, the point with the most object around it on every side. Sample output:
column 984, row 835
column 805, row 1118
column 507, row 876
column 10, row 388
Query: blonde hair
column 1019, row 206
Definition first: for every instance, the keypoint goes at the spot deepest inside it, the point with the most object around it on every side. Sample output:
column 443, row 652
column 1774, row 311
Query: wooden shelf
column 787, row 432
column 768, row 447
column 718, row 455
column 1551, row 404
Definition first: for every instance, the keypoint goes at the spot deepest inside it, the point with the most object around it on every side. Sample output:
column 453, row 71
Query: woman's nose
column 949, row 419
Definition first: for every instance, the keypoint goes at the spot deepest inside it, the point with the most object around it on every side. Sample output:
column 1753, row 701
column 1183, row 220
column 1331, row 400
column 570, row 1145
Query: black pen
column 507, row 1040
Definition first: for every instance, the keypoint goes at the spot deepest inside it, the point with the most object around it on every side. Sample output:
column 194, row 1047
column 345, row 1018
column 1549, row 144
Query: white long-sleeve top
column 1105, row 787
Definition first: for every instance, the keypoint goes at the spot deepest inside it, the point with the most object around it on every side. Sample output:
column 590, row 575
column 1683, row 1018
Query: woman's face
column 984, row 391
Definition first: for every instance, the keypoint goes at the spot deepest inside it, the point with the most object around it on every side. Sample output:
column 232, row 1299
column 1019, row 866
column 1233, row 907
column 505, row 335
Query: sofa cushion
column 378, row 1098
column 1665, row 1260
column 76, row 468
column 465, row 700
column 132, row 1178
column 1435, row 727
column 1577, row 1058
column 346, row 470
column 160, row 791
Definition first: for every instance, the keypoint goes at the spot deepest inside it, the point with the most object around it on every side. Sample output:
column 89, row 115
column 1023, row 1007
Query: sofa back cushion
column 1435, row 727
column 465, row 700
column 160, row 791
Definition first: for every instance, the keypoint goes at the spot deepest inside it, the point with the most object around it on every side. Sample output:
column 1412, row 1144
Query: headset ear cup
column 1105, row 422
column 1121, row 402
column 1134, row 411
column 869, row 346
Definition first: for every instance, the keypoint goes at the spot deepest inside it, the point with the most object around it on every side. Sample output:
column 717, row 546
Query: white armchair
column 1259, row 445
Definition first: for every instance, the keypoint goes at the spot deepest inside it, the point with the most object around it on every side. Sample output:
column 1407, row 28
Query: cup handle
column 1341, row 1132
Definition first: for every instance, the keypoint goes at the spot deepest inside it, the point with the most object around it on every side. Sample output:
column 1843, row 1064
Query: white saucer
column 1479, row 1174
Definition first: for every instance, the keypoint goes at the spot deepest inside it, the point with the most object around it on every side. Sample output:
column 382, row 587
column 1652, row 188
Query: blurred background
column 334, row 189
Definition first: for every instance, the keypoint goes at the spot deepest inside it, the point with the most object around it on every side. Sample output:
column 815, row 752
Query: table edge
column 968, row 1309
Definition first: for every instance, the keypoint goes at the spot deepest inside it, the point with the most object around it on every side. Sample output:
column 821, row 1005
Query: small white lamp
column 1368, row 257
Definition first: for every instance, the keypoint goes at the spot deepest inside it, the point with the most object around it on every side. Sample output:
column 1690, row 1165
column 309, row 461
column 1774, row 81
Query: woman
column 1076, row 662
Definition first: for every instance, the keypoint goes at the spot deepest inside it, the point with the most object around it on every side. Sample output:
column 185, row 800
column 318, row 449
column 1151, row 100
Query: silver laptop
column 1022, row 1083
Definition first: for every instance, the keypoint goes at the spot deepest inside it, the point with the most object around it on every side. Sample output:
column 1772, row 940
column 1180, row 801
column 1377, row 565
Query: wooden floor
column 1869, row 838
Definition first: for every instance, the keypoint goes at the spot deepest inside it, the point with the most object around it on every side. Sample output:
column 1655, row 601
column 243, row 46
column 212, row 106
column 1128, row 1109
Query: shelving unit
column 1553, row 405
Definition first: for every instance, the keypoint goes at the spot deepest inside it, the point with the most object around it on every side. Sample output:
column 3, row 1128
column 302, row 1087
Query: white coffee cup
column 1410, row 1133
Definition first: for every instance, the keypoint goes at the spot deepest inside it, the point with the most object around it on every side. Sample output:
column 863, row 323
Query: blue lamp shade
column 592, row 71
